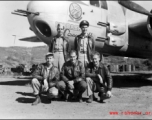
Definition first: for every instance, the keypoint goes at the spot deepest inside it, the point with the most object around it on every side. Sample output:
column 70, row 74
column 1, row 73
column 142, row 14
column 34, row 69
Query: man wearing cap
column 60, row 47
column 45, row 78
column 84, row 44
column 98, row 79
column 72, row 78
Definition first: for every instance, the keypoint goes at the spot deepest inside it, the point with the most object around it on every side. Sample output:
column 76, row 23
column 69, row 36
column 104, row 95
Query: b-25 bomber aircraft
column 121, row 28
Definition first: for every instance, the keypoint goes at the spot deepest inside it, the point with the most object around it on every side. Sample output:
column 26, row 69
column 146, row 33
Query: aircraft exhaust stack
column 149, row 25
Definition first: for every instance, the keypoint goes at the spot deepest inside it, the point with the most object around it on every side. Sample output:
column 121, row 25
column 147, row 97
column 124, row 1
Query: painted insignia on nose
column 75, row 11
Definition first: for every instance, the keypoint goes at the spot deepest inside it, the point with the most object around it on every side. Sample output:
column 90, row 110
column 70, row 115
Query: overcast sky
column 11, row 24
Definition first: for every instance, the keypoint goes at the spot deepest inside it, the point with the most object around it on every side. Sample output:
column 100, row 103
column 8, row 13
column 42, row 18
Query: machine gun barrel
column 19, row 14
column 24, row 12
column 27, row 12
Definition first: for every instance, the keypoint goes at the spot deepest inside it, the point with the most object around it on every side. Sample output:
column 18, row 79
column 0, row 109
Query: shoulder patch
column 66, row 63
column 78, row 36
column 56, row 68
column 79, row 62
column 102, row 65
column 40, row 64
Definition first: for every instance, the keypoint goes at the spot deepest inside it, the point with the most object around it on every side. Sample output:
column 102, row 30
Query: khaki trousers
column 39, row 88
column 94, row 87
column 83, row 58
column 79, row 86
column 59, row 60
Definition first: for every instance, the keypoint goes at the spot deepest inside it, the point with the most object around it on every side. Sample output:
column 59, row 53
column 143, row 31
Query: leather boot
column 69, row 95
column 75, row 95
column 80, row 97
column 61, row 96
column 90, row 99
column 94, row 98
column 66, row 96
column 37, row 100
column 102, row 97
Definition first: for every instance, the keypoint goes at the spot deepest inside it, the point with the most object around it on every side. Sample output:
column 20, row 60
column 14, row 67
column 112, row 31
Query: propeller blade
column 134, row 7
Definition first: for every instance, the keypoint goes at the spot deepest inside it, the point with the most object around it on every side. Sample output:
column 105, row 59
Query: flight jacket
column 66, row 46
column 90, row 46
column 102, row 71
column 40, row 74
column 72, row 72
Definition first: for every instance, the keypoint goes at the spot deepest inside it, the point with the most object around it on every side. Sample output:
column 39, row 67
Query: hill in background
column 13, row 56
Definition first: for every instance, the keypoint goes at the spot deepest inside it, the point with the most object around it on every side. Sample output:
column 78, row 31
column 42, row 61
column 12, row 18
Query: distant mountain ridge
column 13, row 56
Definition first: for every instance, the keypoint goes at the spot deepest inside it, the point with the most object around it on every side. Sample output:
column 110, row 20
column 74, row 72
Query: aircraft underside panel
column 118, row 25
column 139, row 46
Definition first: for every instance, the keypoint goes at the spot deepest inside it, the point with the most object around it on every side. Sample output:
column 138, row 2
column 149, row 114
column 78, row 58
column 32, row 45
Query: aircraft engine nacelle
column 43, row 28
column 149, row 24
column 44, row 24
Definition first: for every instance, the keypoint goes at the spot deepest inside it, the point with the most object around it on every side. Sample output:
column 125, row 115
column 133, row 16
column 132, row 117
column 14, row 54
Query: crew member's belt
column 58, row 51
column 83, row 52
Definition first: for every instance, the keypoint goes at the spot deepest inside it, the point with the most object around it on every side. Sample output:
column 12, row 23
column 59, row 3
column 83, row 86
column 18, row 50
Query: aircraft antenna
column 14, row 39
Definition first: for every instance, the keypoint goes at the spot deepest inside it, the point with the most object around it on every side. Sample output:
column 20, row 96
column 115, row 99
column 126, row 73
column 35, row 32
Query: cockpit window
column 95, row 3
column 104, row 4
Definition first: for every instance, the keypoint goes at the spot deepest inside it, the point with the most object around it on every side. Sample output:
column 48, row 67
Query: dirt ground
column 132, row 99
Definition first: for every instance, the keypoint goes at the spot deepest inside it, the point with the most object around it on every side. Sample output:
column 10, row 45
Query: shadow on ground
column 26, row 100
column 16, row 82
column 44, row 98
column 130, row 81
column 25, row 94
column 118, row 81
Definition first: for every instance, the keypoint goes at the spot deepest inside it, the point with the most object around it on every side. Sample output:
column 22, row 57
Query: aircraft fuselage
column 70, row 13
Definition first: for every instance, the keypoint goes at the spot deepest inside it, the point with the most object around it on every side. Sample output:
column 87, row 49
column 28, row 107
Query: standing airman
column 84, row 44
column 60, row 47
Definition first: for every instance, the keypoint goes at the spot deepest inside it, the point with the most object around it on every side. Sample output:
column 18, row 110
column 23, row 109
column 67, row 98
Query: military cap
column 49, row 54
column 83, row 22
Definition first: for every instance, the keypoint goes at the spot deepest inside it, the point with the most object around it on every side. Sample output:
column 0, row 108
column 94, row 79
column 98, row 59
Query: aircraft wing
column 139, row 28
column 31, row 39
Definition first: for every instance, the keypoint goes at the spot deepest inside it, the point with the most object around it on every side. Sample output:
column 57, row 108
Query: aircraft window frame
column 98, row 6
column 103, row 4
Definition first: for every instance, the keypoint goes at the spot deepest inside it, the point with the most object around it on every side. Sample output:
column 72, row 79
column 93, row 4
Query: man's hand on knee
column 77, row 80
column 71, row 87
column 100, row 79
column 109, row 94
column 45, row 83
column 51, row 84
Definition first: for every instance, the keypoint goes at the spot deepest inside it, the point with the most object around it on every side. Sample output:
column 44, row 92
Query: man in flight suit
column 72, row 78
column 44, row 79
column 98, row 79
column 60, row 47
column 84, row 44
